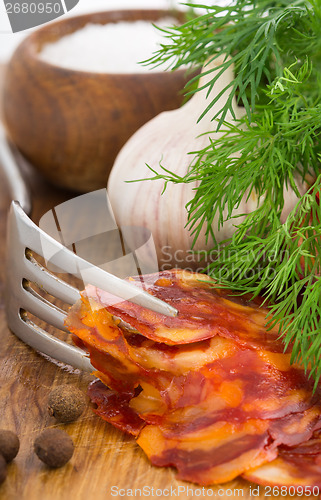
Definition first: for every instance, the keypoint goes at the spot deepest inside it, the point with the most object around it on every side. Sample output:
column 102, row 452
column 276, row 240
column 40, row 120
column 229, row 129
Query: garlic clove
column 167, row 140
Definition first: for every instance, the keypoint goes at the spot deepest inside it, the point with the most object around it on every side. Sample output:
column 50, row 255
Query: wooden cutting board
column 106, row 463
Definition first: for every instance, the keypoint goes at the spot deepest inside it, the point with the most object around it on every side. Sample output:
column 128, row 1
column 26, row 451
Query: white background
column 9, row 40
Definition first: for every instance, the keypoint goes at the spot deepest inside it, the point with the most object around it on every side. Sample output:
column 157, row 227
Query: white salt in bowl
column 71, row 123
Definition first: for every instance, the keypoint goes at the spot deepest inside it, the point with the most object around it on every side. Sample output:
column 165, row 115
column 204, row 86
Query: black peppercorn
column 9, row 444
column 66, row 403
column 54, row 447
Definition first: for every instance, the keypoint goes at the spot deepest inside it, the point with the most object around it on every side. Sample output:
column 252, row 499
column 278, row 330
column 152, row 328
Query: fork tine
column 40, row 242
column 51, row 283
column 22, row 233
column 43, row 309
column 42, row 341
column 17, row 297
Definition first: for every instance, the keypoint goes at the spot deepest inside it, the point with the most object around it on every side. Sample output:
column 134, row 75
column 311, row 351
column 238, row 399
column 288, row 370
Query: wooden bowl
column 71, row 124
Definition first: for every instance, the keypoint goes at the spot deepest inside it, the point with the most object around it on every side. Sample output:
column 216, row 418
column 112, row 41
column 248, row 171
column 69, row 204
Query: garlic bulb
column 167, row 139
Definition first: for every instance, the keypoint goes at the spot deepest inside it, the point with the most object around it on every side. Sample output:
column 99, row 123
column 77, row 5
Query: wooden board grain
column 106, row 463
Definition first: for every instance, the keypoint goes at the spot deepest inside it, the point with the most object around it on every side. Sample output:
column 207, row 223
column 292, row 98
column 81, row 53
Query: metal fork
column 22, row 269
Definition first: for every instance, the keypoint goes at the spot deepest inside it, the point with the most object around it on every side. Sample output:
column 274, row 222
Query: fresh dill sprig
column 258, row 37
column 256, row 160
column 283, row 264
column 275, row 47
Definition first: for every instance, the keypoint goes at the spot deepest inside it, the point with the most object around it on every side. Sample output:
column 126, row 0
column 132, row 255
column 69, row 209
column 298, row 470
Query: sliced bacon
column 209, row 392
column 114, row 407
column 204, row 311
column 211, row 455
column 298, row 466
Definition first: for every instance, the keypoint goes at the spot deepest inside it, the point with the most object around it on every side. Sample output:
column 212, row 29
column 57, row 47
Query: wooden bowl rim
column 29, row 46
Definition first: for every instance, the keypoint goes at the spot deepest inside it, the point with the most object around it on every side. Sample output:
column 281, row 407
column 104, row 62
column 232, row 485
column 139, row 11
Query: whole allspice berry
column 66, row 403
column 9, row 444
column 3, row 469
column 54, row 447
